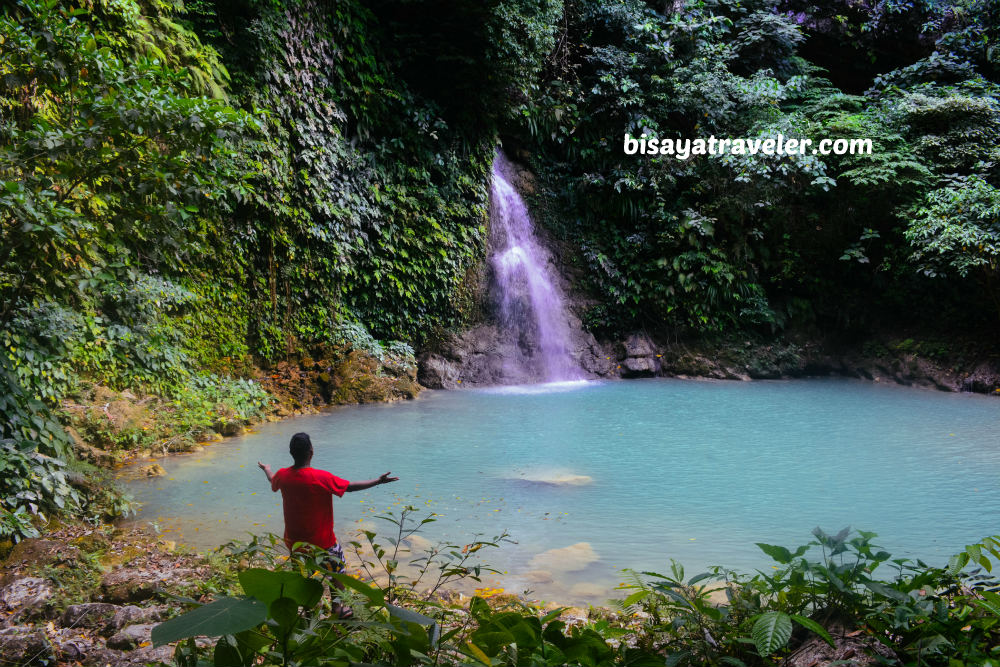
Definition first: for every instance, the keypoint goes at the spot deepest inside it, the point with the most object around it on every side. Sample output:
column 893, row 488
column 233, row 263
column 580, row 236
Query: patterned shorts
column 335, row 559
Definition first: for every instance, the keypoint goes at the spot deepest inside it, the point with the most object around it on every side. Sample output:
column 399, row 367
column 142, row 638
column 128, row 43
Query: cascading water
column 531, row 307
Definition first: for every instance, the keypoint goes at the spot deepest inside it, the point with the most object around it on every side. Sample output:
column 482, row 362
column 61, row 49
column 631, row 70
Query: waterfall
column 530, row 306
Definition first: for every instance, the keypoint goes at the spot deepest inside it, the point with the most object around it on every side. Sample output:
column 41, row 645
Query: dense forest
column 193, row 193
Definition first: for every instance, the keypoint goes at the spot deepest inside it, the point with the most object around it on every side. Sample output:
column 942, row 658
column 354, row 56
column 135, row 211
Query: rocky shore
column 91, row 596
column 473, row 357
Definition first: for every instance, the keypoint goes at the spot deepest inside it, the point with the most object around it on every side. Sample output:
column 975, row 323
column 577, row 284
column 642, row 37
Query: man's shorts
column 335, row 559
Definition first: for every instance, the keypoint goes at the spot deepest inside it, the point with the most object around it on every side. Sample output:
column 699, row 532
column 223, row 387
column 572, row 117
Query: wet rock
column 539, row 576
column 92, row 615
column 638, row 357
column 131, row 636
column 588, row 591
column 436, row 372
column 23, row 645
column 25, row 593
column 565, row 559
column 558, row 479
column 638, row 367
column 418, row 543
column 229, row 428
column 154, row 470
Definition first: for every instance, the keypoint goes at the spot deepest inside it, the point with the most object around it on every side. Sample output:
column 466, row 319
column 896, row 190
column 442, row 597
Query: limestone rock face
column 25, row 592
column 436, row 372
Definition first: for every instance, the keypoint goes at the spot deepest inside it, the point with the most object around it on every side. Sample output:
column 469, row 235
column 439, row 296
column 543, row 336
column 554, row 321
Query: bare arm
column 367, row 484
column 267, row 470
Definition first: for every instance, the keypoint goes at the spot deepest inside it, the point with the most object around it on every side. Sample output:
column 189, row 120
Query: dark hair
column 300, row 448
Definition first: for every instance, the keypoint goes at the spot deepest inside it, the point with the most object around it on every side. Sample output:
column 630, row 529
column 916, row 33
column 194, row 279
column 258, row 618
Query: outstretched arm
column 361, row 486
column 267, row 470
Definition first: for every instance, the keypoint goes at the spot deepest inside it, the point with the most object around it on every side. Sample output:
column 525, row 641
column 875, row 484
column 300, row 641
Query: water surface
column 645, row 471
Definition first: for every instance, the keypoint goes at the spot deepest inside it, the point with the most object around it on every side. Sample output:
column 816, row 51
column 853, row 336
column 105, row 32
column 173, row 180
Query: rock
column 436, row 372
column 639, row 367
column 92, row 615
column 130, row 637
column 25, row 593
column 566, row 559
column 418, row 543
column 132, row 615
column 154, row 470
column 75, row 650
column 589, row 591
column 639, row 345
column 23, row 645
column 125, row 585
column 229, row 428
column 539, row 576
column 559, row 479
column 639, row 357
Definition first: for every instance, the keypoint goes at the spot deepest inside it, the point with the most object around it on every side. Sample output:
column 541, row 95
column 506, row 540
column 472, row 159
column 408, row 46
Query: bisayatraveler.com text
column 683, row 149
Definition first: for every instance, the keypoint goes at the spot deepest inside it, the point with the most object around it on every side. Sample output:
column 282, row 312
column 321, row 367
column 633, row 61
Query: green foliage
column 32, row 486
column 956, row 229
column 776, row 227
column 924, row 615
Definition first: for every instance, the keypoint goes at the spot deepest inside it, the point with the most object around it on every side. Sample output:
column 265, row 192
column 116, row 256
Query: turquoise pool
column 625, row 474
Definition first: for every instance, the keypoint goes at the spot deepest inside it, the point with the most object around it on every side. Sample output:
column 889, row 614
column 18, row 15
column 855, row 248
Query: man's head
column 301, row 449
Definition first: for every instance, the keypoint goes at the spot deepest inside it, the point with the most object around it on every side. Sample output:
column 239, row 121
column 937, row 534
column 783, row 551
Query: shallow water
column 644, row 471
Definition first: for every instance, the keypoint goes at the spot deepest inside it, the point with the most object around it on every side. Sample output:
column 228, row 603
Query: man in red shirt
column 307, row 499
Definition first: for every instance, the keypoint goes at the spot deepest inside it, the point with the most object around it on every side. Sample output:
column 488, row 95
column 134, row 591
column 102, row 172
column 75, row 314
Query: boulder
column 25, row 593
column 639, row 366
column 92, row 615
column 75, row 650
column 131, row 636
column 132, row 615
column 23, row 645
column 125, row 585
column 639, row 345
column 566, row 559
column 153, row 470
column 638, row 357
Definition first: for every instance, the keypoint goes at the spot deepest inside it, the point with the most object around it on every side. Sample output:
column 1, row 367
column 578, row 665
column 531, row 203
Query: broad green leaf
column 225, row 616
column 771, row 632
column 267, row 586
column 285, row 611
column 477, row 653
column 779, row 554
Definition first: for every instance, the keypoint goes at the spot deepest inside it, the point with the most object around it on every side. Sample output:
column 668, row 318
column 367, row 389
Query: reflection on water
column 624, row 474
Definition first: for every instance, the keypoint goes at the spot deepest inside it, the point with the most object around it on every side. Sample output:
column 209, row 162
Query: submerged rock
column 559, row 479
column 565, row 559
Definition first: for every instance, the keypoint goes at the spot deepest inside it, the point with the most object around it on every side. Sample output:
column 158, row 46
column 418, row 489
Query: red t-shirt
column 307, row 496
